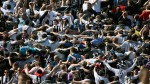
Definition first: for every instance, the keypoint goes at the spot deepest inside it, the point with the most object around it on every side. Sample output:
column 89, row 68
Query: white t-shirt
column 121, row 39
column 44, row 42
column 28, row 12
column 98, row 78
column 120, row 72
column 84, row 6
column 68, row 18
column 51, row 16
column 131, row 55
column 54, row 45
column 39, row 34
column 33, row 70
column 14, row 34
column 97, row 5
column 127, row 44
column 13, row 4
column 6, row 11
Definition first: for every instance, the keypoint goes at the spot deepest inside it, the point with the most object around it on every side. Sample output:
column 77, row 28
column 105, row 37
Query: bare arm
column 95, row 1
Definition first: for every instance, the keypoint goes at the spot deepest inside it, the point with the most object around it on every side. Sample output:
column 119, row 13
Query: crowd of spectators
column 75, row 41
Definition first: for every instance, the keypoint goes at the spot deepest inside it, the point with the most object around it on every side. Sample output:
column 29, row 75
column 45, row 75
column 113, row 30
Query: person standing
column 96, row 5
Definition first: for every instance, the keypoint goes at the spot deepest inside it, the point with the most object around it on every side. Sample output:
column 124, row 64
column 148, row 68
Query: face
column 54, row 22
column 18, row 71
column 6, row 72
column 49, row 67
column 89, row 6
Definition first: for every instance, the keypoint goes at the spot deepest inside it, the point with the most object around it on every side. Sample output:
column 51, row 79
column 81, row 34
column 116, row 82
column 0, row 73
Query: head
column 136, row 16
column 6, row 72
column 37, row 63
column 144, row 75
column 48, row 7
column 72, row 50
column 55, row 22
column 56, row 58
column 125, row 14
column 63, row 67
column 23, row 79
column 49, row 67
column 8, row 6
column 101, row 73
column 148, row 7
column 37, row 58
column 89, row 6
column 24, row 16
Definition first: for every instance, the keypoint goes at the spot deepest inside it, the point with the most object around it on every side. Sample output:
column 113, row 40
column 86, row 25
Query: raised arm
column 132, row 67
column 109, row 67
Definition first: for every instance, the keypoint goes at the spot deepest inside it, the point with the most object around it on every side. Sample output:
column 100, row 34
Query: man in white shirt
column 38, row 77
column 96, row 5
column 11, row 2
column 130, row 54
column 51, row 15
column 7, row 11
column 121, row 73
column 6, row 78
column 100, row 77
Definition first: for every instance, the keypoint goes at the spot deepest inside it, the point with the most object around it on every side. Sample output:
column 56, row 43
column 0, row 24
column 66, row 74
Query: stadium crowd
column 75, row 41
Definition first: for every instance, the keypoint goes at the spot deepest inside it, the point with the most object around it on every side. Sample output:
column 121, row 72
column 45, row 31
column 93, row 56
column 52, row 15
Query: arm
column 76, row 82
column 53, row 72
column 132, row 67
column 63, row 3
column 95, row 73
column 11, row 81
column 12, row 34
column 146, row 3
column 43, row 6
column 10, row 62
column 86, row 70
column 73, row 65
column 95, row 1
column 109, row 67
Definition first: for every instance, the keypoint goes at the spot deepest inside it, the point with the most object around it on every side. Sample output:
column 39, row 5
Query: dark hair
column 8, row 6
column 44, row 35
column 54, row 38
column 73, row 50
column 27, row 22
column 101, row 73
column 101, row 82
column 39, row 71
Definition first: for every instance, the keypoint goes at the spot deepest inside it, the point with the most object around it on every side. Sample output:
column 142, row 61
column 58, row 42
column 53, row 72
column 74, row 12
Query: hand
column 60, row 62
column 136, row 59
column 9, row 58
column 44, row 4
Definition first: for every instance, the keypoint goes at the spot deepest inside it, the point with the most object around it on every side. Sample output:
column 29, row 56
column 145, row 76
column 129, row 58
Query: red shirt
column 145, row 15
